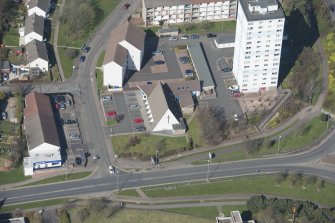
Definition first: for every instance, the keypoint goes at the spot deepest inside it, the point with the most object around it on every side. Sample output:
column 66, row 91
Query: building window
column 245, row 85
column 246, row 66
column 274, row 73
column 258, row 41
column 248, row 48
column 264, row 78
column 274, row 82
column 247, row 57
column 277, row 45
column 248, row 43
column 250, row 28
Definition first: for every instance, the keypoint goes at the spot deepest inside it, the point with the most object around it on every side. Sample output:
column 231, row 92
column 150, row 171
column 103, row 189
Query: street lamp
column 279, row 144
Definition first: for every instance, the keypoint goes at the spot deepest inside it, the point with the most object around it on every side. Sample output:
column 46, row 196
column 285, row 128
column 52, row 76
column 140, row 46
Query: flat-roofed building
column 178, row 11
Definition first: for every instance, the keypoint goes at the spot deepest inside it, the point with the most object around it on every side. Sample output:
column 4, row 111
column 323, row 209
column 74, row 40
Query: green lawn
column 252, row 185
column 99, row 80
column 203, row 212
column 194, row 132
column 13, row 176
column 128, row 192
column 101, row 59
column 37, row 204
column 111, row 122
column 215, row 27
column 147, row 145
column 11, row 38
column 70, row 176
column 67, row 63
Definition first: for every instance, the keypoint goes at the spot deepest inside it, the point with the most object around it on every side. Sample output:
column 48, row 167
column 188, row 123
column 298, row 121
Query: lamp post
column 279, row 144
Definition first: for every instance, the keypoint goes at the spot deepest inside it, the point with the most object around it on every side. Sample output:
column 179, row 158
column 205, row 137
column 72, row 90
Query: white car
column 106, row 98
column 111, row 169
column 157, row 52
column 184, row 37
column 134, row 106
column 236, row 118
column 233, row 88
column 173, row 38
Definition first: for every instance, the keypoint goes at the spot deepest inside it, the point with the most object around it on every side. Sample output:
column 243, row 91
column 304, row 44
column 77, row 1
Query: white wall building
column 40, row 7
column 178, row 11
column 33, row 28
column 41, row 133
column 37, row 55
column 258, row 43
column 124, row 52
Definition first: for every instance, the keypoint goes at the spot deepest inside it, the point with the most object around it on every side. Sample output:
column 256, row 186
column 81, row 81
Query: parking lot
column 184, row 65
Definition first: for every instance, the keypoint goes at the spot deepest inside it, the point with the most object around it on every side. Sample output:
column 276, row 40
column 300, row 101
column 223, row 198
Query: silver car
column 134, row 107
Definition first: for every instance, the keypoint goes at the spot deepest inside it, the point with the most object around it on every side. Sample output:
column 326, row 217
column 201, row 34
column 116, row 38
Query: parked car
column 233, row 88
column 111, row 169
column 86, row 49
column 211, row 35
column 106, row 98
column 62, row 106
column 69, row 122
column 236, row 118
column 4, row 115
column 74, row 136
column 5, row 77
column 78, row 160
column 140, row 129
column 111, row 114
column 138, row 121
column 184, row 60
column 160, row 62
column 189, row 73
column 82, row 58
column 184, row 37
column 157, row 52
column 226, row 69
column 126, row 6
column 134, row 106
column 173, row 38
column 195, row 36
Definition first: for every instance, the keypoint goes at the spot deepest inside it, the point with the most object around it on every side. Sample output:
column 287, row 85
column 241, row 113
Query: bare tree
column 83, row 213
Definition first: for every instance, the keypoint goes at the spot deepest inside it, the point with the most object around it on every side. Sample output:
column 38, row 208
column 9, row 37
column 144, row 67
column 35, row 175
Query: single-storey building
column 40, row 7
column 41, row 132
column 167, row 32
column 33, row 28
column 225, row 41
column 37, row 55
column 124, row 52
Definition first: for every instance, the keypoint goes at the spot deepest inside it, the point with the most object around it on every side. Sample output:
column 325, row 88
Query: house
column 34, row 28
column 258, row 45
column 161, row 110
column 5, row 66
column 178, row 11
column 41, row 132
column 40, row 7
column 235, row 217
column 124, row 52
column 37, row 55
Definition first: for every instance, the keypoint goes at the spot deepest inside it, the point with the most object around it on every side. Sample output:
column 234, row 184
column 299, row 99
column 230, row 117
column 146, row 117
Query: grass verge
column 111, row 122
column 203, row 212
column 99, row 79
column 12, row 176
column 194, row 132
column 67, row 63
column 101, row 59
column 11, row 38
column 30, row 205
column 70, row 176
column 214, row 27
column 256, row 185
column 129, row 192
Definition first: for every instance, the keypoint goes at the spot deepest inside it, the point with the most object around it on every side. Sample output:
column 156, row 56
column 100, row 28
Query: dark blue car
column 195, row 37
column 82, row 58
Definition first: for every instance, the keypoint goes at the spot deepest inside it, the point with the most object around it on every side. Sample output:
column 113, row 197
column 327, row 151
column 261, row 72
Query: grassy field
column 129, row 192
column 70, row 176
column 147, row 144
column 101, row 59
column 194, row 132
column 67, row 63
column 256, row 185
column 13, row 176
column 36, row 204
column 99, row 79
column 11, row 38
column 214, row 27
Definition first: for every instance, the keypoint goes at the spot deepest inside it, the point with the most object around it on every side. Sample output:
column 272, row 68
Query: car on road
column 233, row 88
column 134, row 107
column 157, row 52
column 195, row 36
column 86, row 49
column 236, row 117
column 189, row 73
column 74, row 136
column 126, row 6
column 111, row 114
column 106, row 98
column 111, row 169
column 184, row 37
column 140, row 129
column 138, row 121
column 159, row 62
column 211, row 35
column 226, row 69
column 62, row 106
column 69, row 122
column 82, row 58
column 173, row 38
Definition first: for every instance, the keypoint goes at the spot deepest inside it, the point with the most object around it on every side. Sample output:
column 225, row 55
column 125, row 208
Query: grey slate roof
column 34, row 23
column 160, row 3
column 36, row 49
column 257, row 16
column 39, row 121
column 42, row 4
column 200, row 65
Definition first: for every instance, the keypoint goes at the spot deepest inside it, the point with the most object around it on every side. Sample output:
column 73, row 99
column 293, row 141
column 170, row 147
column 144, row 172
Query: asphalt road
column 303, row 162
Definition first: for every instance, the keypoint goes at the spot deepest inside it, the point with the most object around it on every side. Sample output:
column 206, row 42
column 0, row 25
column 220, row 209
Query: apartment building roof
column 200, row 65
column 255, row 16
column 36, row 49
column 128, row 32
column 40, row 126
column 225, row 38
column 34, row 23
column 42, row 4
column 160, row 3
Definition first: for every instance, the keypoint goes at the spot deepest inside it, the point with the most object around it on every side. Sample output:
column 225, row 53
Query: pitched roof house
column 37, row 55
column 40, row 7
column 34, row 28
column 124, row 51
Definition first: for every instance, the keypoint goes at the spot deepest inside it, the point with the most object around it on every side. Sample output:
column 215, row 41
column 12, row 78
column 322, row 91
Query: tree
column 83, row 213
column 270, row 215
column 295, row 179
column 205, row 25
column 253, row 146
column 2, row 95
column 256, row 203
column 71, row 53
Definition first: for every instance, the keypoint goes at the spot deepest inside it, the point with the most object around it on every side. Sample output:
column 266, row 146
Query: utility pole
column 279, row 144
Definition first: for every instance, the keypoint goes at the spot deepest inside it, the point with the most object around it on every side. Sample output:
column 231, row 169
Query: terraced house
column 178, row 11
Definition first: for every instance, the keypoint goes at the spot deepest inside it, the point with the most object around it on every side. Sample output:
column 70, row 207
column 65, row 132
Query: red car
column 138, row 121
column 111, row 114
column 126, row 6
